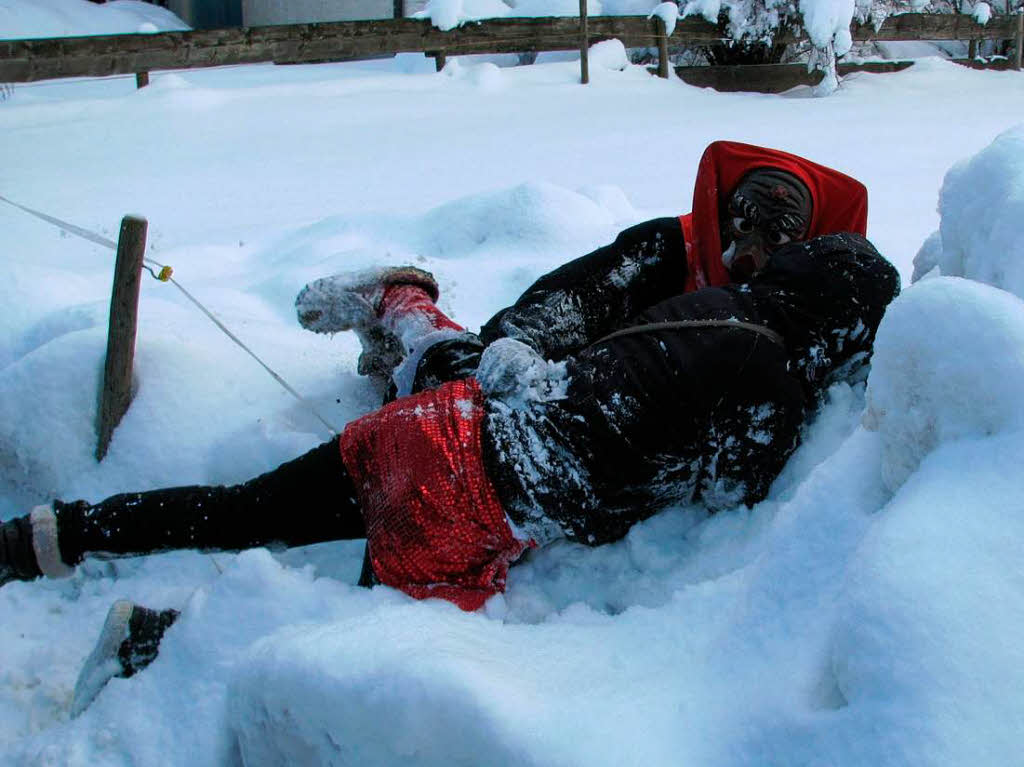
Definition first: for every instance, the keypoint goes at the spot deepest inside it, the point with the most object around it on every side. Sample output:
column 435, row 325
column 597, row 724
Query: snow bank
column 948, row 365
column 70, row 18
column 981, row 205
column 924, row 652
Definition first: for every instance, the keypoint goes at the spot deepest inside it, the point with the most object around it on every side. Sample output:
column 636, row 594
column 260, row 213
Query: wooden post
column 1020, row 40
column 662, row 32
column 972, row 49
column 116, row 395
column 584, row 44
column 141, row 79
column 439, row 60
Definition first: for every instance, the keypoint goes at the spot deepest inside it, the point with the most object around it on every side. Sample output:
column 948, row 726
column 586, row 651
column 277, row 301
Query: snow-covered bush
column 981, row 205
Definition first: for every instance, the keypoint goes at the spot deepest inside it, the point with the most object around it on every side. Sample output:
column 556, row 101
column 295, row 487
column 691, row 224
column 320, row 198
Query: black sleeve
column 826, row 297
column 583, row 300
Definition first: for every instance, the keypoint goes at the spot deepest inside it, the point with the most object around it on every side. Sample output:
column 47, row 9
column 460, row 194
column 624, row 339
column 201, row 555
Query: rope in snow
column 656, row 327
column 164, row 275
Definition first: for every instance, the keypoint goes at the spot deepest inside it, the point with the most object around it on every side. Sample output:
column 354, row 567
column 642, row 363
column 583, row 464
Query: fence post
column 662, row 32
column 141, row 79
column 584, row 44
column 116, row 394
column 1020, row 40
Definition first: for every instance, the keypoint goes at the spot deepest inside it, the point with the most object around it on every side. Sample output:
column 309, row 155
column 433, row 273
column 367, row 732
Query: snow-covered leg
column 128, row 642
column 437, row 349
column 394, row 313
column 354, row 301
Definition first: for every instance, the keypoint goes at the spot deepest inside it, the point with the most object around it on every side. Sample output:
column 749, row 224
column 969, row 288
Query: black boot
column 17, row 557
column 128, row 642
column 29, row 547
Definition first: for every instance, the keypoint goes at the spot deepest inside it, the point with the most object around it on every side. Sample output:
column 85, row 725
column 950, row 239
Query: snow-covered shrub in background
column 948, row 365
column 982, row 206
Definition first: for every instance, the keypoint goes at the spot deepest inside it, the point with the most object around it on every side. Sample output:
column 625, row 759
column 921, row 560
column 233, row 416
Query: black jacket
column 675, row 414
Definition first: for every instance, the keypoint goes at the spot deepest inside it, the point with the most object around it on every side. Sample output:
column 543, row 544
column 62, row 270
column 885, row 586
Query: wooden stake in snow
column 662, row 32
column 1020, row 40
column 116, row 394
column 584, row 44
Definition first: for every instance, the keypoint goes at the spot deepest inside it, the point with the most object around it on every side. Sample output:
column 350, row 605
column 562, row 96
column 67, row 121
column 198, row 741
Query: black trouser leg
column 307, row 500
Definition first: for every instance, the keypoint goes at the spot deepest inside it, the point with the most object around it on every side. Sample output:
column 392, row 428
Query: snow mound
column 948, row 365
column 344, row 694
column 448, row 14
column 981, row 205
column 69, row 18
column 609, row 54
column 532, row 213
column 931, row 613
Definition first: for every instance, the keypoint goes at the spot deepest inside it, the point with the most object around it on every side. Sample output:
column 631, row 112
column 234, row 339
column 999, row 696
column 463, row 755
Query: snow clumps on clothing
column 515, row 372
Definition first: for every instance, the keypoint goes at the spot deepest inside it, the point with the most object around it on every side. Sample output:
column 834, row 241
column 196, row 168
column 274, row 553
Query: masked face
column 767, row 209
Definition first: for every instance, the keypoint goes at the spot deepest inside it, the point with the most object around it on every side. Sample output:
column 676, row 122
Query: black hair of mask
column 771, row 200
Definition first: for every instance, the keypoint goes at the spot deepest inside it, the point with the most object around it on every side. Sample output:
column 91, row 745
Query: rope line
column 655, row 327
column 165, row 276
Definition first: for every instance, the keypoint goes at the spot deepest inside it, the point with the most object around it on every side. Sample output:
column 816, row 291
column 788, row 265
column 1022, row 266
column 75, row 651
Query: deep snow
column 867, row 613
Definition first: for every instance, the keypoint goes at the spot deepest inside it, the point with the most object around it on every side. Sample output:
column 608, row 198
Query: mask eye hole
column 775, row 237
column 743, row 225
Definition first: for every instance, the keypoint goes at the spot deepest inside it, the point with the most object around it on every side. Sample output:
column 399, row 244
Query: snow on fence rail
column 44, row 59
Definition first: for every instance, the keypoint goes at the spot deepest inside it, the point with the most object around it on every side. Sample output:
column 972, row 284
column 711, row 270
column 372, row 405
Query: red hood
column 840, row 203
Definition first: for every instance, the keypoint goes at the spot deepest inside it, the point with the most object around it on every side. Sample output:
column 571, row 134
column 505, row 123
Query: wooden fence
column 29, row 60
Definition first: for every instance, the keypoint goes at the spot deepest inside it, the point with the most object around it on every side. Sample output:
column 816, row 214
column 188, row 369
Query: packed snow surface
column 868, row 612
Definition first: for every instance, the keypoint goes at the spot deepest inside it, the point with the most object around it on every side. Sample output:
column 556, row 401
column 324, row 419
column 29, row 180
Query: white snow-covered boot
column 128, row 642
column 29, row 547
column 352, row 300
column 392, row 310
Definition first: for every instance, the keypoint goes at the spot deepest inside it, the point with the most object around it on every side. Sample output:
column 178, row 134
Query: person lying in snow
column 651, row 396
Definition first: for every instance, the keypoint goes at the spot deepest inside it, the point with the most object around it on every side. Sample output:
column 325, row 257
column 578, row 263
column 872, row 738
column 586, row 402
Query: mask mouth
column 746, row 257
column 729, row 256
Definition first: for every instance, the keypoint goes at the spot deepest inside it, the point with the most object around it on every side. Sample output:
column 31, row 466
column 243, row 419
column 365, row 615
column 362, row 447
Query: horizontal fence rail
column 44, row 59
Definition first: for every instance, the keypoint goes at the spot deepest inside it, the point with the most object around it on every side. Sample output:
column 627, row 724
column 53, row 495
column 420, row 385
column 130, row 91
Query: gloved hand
column 516, row 374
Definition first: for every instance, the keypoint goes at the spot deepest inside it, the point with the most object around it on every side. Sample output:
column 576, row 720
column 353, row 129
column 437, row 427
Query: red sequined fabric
column 403, row 300
column 435, row 527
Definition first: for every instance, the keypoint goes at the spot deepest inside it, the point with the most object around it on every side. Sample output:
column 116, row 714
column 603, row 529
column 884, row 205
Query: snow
column 982, row 13
column 448, row 14
column 68, row 18
column 981, row 202
column 948, row 365
column 669, row 14
column 866, row 613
